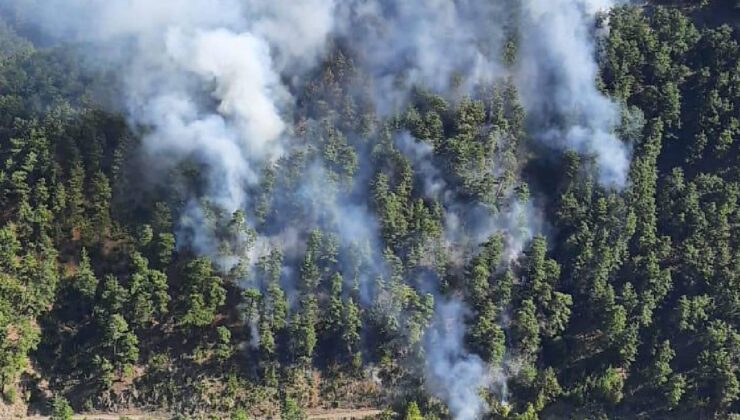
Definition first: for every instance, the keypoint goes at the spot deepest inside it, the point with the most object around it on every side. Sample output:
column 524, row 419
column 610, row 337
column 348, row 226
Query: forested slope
column 383, row 252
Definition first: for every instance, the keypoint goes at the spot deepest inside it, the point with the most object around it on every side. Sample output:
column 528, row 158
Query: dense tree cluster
column 630, row 306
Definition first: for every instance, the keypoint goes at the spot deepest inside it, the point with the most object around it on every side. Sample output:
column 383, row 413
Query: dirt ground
column 338, row 414
column 344, row 414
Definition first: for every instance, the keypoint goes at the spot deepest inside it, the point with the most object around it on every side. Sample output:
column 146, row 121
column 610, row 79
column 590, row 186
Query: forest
column 551, row 231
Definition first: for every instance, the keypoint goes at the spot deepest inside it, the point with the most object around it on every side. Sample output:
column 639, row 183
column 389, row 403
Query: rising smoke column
column 453, row 373
column 203, row 77
column 557, row 73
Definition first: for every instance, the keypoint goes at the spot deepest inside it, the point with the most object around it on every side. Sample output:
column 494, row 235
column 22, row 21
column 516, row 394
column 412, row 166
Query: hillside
column 396, row 209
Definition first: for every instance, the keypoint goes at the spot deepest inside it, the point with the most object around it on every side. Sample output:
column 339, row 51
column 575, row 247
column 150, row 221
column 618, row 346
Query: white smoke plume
column 454, row 374
column 297, row 29
column 402, row 43
column 557, row 73
column 204, row 77
column 239, row 66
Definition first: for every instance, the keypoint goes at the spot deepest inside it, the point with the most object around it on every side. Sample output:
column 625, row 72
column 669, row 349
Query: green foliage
column 528, row 414
column 239, row 414
column 412, row 412
column 609, row 386
column 223, row 348
column 628, row 308
column 291, row 410
column 147, row 292
column 60, row 409
column 122, row 343
column 527, row 330
column 18, row 336
column 84, row 280
column 203, row 294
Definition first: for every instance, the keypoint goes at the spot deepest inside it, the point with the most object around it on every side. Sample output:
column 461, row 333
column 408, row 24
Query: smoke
column 210, row 55
column 454, row 374
column 203, row 77
column 326, row 206
column 468, row 223
column 432, row 43
column 210, row 82
column 297, row 29
column 421, row 154
column 557, row 74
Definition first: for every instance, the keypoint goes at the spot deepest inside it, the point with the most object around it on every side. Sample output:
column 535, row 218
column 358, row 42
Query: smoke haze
column 557, row 76
column 212, row 81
